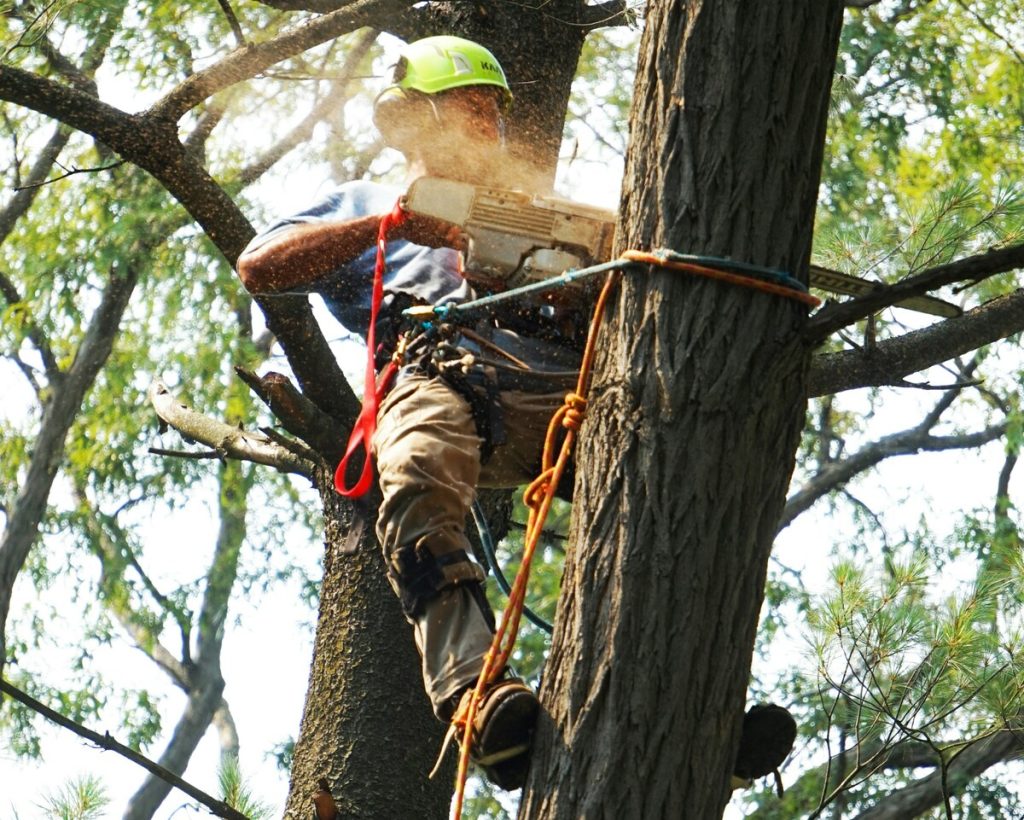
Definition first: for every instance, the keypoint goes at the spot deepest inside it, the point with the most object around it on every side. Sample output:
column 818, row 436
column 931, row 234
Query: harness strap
column 374, row 388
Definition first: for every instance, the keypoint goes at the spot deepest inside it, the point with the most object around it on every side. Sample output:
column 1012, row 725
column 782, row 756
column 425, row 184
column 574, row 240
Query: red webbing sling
column 374, row 387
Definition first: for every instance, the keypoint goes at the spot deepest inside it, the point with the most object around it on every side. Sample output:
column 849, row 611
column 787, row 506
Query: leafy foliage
column 236, row 794
column 82, row 799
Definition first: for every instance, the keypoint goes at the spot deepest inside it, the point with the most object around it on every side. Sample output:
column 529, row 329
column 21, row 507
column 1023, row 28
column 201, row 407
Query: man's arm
column 305, row 253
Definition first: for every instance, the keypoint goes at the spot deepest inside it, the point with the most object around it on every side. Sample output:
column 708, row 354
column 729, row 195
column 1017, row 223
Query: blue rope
column 487, row 541
column 443, row 312
column 780, row 277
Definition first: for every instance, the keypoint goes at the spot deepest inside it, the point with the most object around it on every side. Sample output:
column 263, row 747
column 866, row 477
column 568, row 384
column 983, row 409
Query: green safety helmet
column 440, row 63
column 436, row 64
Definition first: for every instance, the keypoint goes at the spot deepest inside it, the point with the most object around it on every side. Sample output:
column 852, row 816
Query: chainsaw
column 516, row 239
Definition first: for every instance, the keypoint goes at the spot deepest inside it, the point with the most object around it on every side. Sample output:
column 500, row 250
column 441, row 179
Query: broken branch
column 224, row 439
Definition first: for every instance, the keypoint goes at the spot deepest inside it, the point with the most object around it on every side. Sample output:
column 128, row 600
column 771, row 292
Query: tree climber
column 464, row 413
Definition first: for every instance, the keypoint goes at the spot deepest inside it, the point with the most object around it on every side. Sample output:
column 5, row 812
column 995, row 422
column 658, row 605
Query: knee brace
column 419, row 574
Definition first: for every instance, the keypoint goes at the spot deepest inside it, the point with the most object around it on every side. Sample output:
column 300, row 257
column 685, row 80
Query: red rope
column 374, row 387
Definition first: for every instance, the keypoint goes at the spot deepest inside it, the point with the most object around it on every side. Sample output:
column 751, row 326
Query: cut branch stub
column 224, row 438
column 297, row 414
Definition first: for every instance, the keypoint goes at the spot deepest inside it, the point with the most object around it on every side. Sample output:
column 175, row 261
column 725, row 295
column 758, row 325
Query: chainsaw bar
column 833, row 281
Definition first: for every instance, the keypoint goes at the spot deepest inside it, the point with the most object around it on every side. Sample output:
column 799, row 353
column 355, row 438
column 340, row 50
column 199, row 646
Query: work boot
column 503, row 731
column 769, row 732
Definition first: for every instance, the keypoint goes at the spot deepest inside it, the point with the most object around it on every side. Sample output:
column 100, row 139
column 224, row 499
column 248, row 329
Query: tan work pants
column 428, row 457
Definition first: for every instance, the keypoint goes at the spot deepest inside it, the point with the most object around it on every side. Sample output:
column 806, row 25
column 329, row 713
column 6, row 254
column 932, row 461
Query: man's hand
column 431, row 232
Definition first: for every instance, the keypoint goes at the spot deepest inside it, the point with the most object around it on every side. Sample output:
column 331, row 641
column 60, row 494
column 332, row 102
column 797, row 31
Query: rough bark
column 367, row 727
column 694, row 418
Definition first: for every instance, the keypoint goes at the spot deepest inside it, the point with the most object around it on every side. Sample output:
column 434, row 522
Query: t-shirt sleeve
column 347, row 201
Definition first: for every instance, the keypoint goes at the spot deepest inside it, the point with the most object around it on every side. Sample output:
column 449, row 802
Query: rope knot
column 575, row 411
column 537, row 489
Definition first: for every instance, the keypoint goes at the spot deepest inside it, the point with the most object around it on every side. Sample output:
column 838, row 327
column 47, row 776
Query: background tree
column 927, row 100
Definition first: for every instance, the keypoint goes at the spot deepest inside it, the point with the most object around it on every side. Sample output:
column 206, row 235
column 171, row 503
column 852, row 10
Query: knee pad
column 419, row 575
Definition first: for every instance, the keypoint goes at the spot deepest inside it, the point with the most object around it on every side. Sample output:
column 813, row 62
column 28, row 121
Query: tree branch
column 26, row 192
column 13, row 211
column 226, row 730
column 205, row 697
column 907, row 442
column 250, row 60
column 984, row 23
column 888, row 362
column 105, row 741
column 149, row 142
column 231, row 441
column 906, row 754
column 152, row 144
column 30, row 504
column 36, row 336
column 924, row 794
column 220, row 578
column 975, row 268
column 333, row 100
column 608, row 13
column 236, row 29
column 297, row 414
column 835, row 471
column 113, row 551
column 69, row 172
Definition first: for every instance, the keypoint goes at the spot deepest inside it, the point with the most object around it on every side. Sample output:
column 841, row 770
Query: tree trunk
column 695, row 413
column 367, row 727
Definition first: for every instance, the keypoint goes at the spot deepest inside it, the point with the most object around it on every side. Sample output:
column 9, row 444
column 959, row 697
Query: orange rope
column 538, row 497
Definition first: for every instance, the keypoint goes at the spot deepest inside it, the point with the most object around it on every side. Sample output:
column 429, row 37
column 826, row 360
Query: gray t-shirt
column 426, row 275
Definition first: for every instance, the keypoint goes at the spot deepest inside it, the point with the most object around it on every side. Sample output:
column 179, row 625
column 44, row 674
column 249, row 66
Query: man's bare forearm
column 305, row 253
